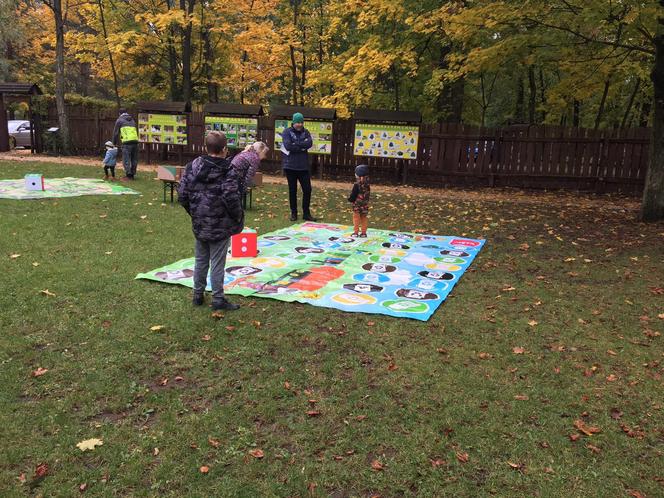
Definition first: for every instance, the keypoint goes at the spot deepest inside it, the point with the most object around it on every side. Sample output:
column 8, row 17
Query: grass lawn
column 540, row 375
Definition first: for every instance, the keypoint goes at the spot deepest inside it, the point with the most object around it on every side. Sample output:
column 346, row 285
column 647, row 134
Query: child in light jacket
column 110, row 159
column 359, row 196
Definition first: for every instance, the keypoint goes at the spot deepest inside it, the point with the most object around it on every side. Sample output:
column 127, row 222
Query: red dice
column 245, row 244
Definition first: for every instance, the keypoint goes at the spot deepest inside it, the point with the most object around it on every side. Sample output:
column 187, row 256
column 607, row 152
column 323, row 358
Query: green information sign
column 381, row 140
column 240, row 132
column 162, row 128
column 321, row 134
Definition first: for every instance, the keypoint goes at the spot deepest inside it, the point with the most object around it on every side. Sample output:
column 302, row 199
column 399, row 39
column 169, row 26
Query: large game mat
column 390, row 273
column 61, row 187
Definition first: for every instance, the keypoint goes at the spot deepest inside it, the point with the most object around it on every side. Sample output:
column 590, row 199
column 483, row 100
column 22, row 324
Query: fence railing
column 539, row 156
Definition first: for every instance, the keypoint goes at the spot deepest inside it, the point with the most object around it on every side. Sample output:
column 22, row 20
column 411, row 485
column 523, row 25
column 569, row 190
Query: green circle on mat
column 405, row 306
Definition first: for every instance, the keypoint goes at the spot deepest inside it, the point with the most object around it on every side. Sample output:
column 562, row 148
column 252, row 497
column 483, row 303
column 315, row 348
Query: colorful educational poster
column 399, row 274
column 383, row 140
column 61, row 187
column 321, row 135
column 240, row 132
column 162, row 128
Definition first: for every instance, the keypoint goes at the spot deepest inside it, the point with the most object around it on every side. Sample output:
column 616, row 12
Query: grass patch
column 557, row 321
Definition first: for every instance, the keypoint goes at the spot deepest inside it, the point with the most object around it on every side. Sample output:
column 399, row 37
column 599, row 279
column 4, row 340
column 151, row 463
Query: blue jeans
column 130, row 159
column 210, row 254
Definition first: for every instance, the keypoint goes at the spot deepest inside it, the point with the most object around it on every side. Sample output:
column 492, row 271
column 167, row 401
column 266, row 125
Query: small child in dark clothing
column 110, row 159
column 359, row 196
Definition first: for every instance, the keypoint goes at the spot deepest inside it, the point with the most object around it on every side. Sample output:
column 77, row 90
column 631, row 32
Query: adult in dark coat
column 210, row 192
column 296, row 142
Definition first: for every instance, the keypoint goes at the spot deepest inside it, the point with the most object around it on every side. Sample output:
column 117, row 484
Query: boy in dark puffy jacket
column 209, row 191
column 359, row 196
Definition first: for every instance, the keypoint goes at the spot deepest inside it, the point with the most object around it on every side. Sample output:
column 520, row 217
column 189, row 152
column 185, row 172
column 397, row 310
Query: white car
column 19, row 133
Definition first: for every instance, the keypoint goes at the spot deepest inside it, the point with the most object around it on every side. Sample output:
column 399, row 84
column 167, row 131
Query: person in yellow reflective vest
column 126, row 134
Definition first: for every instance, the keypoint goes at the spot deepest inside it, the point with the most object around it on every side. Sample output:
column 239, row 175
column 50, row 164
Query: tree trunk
column 602, row 103
column 212, row 87
column 519, row 111
column 542, row 95
column 576, row 116
column 110, row 55
column 188, row 8
column 450, row 100
column 532, row 96
column 303, row 76
column 652, row 207
column 644, row 116
column 63, row 119
column 628, row 110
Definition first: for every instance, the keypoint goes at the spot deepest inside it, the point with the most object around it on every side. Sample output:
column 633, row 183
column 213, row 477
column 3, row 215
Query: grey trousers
column 130, row 158
column 210, row 254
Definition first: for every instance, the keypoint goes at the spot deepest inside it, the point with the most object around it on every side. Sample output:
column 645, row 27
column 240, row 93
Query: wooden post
column 404, row 171
column 181, row 155
column 4, row 133
column 32, row 126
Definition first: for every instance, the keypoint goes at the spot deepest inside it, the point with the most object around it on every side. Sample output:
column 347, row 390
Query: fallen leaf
column 256, row 323
column 21, row 478
column 106, row 324
column 593, row 448
column 360, row 418
column 635, row 494
column 206, row 337
column 376, row 466
column 532, row 323
column 144, row 216
column 204, row 469
column 83, row 487
column 39, row 372
column 587, row 430
column 611, row 378
column 616, row 414
column 14, row 256
column 548, row 470
column 155, row 452
column 437, row 463
column 179, row 378
column 521, row 397
column 214, row 442
column 103, row 215
column 257, row 453
column 89, row 444
column 48, row 293
column 163, row 381
column 517, row 466
column 35, row 264
column 217, row 315
column 518, row 350
column 462, row 456
column 484, row 356
column 313, row 413
column 156, row 328
column 371, row 324
column 230, row 328
column 41, row 470
column 287, row 386
column 574, row 437
column 392, row 367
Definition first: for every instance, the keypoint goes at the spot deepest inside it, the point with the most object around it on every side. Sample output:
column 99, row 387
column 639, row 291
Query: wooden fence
column 449, row 154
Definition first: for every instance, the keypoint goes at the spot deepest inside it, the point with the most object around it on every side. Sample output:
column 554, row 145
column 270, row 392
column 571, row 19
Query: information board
column 384, row 140
column 321, row 134
column 162, row 128
column 240, row 132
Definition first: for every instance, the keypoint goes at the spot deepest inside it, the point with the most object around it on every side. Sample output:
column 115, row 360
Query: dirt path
column 548, row 199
